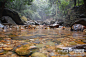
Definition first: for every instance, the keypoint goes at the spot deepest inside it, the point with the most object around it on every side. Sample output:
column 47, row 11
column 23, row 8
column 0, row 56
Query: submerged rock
column 3, row 52
column 40, row 45
column 50, row 43
column 84, row 41
column 38, row 54
column 7, row 48
column 56, row 41
column 14, row 55
column 9, row 53
column 23, row 50
column 72, row 43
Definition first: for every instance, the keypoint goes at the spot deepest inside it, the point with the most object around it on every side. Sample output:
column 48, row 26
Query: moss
column 73, row 43
column 23, row 18
column 63, row 53
column 57, row 49
column 23, row 50
column 4, row 52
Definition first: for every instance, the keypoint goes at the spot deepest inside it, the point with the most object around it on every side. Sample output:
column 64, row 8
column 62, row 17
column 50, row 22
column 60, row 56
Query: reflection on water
column 34, row 33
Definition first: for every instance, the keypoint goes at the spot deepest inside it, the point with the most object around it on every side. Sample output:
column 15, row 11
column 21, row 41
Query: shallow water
column 50, row 36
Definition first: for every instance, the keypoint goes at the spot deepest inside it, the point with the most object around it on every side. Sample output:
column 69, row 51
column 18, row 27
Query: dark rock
column 1, row 51
column 14, row 15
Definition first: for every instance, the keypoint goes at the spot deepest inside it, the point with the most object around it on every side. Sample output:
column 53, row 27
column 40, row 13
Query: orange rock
column 79, row 42
column 1, row 53
column 3, row 41
column 53, row 56
column 7, row 48
column 61, row 56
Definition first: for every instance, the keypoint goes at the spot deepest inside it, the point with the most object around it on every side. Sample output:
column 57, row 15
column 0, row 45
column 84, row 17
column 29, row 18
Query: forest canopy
column 42, row 9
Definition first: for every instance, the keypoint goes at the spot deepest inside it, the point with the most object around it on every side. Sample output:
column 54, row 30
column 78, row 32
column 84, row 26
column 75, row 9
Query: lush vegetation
column 42, row 9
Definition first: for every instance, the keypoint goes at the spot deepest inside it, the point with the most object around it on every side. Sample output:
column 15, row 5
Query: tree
column 84, row 3
column 13, row 4
column 74, row 3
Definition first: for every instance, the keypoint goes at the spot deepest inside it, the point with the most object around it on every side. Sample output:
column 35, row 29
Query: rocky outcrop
column 8, row 20
column 81, row 21
column 74, row 14
column 14, row 15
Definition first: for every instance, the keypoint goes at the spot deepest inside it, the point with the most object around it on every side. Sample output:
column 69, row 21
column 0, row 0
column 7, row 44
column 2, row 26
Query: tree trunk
column 84, row 3
column 56, row 10
column 78, row 2
column 74, row 3
column 2, row 7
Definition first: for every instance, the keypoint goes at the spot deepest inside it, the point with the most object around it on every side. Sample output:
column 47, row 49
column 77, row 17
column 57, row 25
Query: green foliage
column 81, row 2
column 41, row 9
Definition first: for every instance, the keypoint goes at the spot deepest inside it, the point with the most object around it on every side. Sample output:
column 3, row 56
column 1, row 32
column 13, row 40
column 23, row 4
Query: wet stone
column 49, row 50
column 37, row 42
column 9, row 53
column 43, row 43
column 38, row 54
column 34, row 50
column 40, row 45
column 56, row 41
column 4, row 52
column 14, row 55
column 1, row 52
column 50, row 43
column 22, row 51
column 18, row 46
column 84, row 41
column 52, row 54
column 7, row 48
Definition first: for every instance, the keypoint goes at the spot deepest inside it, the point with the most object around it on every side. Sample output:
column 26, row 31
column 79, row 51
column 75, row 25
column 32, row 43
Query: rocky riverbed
column 43, row 43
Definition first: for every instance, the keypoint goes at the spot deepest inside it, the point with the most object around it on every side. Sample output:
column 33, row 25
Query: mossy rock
column 40, row 45
column 12, row 35
column 72, row 43
column 23, row 18
column 57, row 49
column 50, row 43
column 4, row 52
column 34, row 49
column 38, row 54
column 79, row 42
column 27, row 40
column 23, row 50
column 84, row 41
column 56, row 41
column 61, row 52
